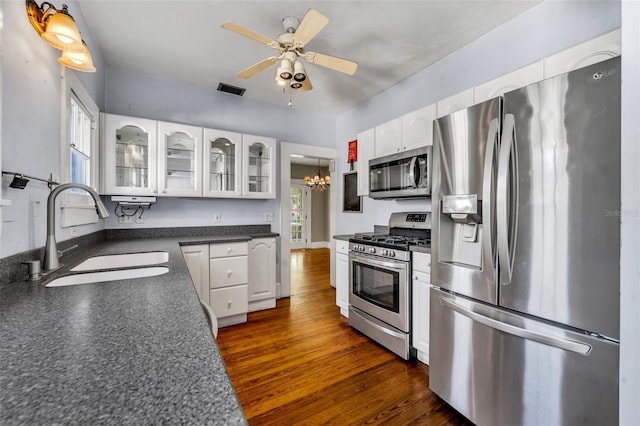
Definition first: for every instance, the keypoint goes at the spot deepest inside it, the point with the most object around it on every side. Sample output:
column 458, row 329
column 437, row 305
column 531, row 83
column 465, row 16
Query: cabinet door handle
column 229, row 304
column 228, row 273
column 229, row 250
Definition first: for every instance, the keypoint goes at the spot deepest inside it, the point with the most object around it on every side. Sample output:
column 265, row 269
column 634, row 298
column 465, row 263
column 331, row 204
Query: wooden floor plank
column 301, row 363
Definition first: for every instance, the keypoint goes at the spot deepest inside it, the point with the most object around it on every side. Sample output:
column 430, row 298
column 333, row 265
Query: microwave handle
column 412, row 175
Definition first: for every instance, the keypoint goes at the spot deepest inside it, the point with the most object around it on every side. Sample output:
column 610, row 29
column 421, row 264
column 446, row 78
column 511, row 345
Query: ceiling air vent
column 231, row 89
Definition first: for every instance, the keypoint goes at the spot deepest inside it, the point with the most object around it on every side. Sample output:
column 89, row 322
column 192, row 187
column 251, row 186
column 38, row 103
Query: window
column 80, row 143
column 79, row 150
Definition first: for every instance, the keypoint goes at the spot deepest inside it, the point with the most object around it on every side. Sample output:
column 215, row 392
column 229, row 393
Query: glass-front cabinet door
column 130, row 166
column 179, row 160
column 222, row 162
column 259, row 166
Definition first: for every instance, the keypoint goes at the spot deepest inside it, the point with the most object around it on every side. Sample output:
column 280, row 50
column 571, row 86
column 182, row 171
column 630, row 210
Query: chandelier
column 318, row 182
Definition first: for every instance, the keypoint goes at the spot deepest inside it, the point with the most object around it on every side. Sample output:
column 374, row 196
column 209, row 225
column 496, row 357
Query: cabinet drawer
column 228, row 271
column 229, row 301
column 228, row 250
column 421, row 262
column 342, row 247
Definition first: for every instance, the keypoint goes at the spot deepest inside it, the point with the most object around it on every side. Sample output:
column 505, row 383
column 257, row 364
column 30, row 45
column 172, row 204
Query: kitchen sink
column 125, row 260
column 101, row 276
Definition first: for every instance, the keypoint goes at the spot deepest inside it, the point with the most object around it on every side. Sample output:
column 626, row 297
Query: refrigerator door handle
column 507, row 199
column 488, row 193
column 558, row 342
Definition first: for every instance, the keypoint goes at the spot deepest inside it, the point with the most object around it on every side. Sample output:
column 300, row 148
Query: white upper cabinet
column 259, row 167
column 455, row 103
column 388, row 138
column 417, row 128
column 521, row 77
column 179, row 160
column 365, row 153
column 129, row 152
column 595, row 50
column 222, row 164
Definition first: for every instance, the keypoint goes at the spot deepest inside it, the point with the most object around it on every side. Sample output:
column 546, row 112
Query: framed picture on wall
column 351, row 201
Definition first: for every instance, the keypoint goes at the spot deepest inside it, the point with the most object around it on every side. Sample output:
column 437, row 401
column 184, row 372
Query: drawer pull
column 228, row 273
column 229, row 250
column 229, row 304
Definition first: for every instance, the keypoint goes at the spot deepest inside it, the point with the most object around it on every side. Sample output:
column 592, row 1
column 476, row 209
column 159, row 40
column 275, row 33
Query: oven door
column 380, row 287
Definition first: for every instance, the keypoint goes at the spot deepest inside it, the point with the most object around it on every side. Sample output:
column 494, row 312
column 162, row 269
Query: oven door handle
column 373, row 261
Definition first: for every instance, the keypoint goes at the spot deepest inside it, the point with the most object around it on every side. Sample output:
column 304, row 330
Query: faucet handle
column 33, row 268
column 61, row 252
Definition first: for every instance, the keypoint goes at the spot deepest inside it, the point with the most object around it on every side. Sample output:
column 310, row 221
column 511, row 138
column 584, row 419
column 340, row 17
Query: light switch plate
column 268, row 217
column 217, row 217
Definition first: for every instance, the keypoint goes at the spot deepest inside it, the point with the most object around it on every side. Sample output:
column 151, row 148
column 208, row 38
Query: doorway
column 300, row 222
column 286, row 152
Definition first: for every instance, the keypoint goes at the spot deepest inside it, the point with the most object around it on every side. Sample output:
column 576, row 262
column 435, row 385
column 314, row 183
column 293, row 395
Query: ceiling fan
column 291, row 47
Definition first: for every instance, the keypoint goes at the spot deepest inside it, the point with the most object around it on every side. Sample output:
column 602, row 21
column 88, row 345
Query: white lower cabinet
column 262, row 274
column 197, row 259
column 421, row 282
column 342, row 277
column 228, row 278
column 234, row 278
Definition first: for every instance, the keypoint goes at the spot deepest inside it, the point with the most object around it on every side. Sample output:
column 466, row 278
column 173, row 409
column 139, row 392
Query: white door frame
column 286, row 149
column 306, row 210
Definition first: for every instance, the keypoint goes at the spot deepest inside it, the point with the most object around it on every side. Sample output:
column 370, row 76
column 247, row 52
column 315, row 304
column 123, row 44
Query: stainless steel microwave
column 406, row 174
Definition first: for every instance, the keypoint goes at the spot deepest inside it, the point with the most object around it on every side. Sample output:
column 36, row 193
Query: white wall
column 545, row 29
column 31, row 97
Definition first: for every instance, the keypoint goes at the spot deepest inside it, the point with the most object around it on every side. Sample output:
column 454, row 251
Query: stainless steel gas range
column 380, row 280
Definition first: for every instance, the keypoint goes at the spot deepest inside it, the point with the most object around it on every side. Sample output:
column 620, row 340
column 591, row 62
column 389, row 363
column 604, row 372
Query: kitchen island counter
column 134, row 351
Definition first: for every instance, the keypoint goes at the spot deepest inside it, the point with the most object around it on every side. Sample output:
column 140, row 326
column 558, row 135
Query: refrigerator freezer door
column 498, row 368
column 464, row 160
column 567, row 247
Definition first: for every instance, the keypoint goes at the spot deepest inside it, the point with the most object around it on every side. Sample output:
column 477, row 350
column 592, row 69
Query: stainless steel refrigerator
column 525, row 294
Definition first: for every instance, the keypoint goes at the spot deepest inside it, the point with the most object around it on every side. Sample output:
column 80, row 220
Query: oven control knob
column 372, row 250
column 360, row 248
column 385, row 252
column 392, row 253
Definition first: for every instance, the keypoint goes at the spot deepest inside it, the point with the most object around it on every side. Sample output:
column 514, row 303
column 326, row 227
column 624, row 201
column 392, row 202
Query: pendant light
column 318, row 182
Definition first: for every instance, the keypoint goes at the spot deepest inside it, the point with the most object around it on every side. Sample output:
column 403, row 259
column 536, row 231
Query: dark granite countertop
column 133, row 351
column 343, row 237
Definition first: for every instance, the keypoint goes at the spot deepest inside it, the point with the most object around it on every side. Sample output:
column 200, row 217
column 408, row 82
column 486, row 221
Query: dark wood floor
column 301, row 363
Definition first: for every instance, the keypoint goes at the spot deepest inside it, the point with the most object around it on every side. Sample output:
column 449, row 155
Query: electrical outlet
column 268, row 217
column 125, row 219
column 217, row 217
column 139, row 220
column 74, row 231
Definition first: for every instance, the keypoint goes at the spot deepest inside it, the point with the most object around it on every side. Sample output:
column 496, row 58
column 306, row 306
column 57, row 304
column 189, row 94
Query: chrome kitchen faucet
column 51, row 258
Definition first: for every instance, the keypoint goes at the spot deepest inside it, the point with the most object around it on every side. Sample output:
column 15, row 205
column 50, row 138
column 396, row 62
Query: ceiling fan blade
column 255, row 69
column 306, row 85
column 232, row 26
column 337, row 64
column 312, row 23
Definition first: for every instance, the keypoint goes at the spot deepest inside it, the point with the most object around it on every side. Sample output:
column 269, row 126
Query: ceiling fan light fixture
column 296, row 84
column 284, row 71
column 299, row 73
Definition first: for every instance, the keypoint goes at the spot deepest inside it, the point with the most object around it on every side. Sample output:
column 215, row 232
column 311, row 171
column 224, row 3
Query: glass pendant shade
column 62, row 32
column 79, row 61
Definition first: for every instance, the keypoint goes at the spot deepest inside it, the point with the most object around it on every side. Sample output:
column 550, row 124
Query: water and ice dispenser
column 460, row 234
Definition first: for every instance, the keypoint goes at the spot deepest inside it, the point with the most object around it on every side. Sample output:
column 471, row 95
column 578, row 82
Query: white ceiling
column 391, row 40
